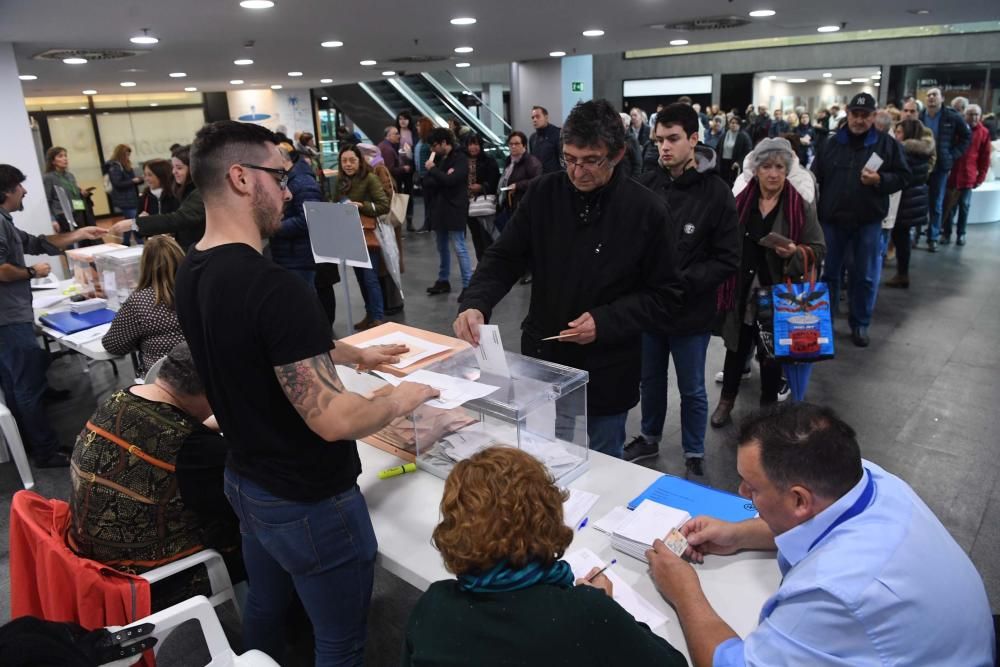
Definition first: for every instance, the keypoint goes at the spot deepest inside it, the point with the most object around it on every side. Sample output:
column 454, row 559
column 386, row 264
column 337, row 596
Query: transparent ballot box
column 82, row 263
column 119, row 272
column 541, row 408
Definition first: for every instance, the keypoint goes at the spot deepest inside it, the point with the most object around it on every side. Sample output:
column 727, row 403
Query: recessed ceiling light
column 678, row 42
column 762, row 13
column 843, row 83
column 276, row 86
column 237, row 82
column 178, row 75
column 797, row 80
column 324, row 98
column 190, row 89
column 83, row 107
column 919, row 12
column 256, row 4
column 144, row 38
column 828, row 28
column 326, row 80
column 463, row 21
column 295, row 74
column 827, row 75
column 75, row 61
column 557, row 54
column 388, row 72
column 243, row 61
column 860, row 79
column 368, row 63
column 89, row 91
column 332, row 44
column 772, row 77
column 876, row 77
column 154, row 104
column 463, row 49
column 593, row 33
column 876, row 84
column 27, row 77
column 127, row 84
column 463, row 64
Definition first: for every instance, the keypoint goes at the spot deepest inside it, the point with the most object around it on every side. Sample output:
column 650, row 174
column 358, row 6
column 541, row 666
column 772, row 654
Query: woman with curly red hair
column 514, row 601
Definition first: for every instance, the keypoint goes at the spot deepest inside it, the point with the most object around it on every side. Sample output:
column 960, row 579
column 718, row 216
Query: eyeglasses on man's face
column 280, row 175
column 587, row 163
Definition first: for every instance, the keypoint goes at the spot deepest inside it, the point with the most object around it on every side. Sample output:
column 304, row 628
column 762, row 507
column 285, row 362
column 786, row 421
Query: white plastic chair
column 218, row 575
column 200, row 609
column 8, row 426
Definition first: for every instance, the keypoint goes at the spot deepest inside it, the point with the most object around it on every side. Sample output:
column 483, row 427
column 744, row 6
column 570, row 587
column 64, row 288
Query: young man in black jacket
column 853, row 202
column 704, row 227
column 597, row 244
column 446, row 184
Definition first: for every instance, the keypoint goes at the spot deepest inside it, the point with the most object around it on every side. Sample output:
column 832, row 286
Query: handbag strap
column 808, row 267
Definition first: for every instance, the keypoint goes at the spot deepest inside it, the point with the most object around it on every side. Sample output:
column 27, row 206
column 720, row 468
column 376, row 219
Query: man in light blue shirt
column 870, row 576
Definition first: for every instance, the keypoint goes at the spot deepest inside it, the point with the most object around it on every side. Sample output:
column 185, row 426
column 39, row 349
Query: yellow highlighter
column 398, row 470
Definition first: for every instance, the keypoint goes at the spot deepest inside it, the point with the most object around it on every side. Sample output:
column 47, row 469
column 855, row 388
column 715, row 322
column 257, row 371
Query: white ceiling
column 203, row 37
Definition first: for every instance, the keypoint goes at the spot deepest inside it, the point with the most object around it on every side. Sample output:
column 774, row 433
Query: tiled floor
column 924, row 399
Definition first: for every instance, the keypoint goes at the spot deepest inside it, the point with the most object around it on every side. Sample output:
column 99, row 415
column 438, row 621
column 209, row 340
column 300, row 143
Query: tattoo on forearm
column 310, row 384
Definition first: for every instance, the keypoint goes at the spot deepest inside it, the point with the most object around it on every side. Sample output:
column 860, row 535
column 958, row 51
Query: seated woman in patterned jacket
column 147, row 480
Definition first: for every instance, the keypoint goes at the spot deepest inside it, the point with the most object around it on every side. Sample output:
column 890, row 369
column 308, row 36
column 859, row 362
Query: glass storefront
column 979, row 82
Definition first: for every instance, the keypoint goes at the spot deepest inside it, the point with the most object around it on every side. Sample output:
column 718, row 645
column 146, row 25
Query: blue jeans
column 607, row 433
column 324, row 550
column 23, row 363
column 371, row 290
column 962, row 205
column 129, row 214
column 457, row 239
column 688, row 353
column 936, row 183
column 863, row 242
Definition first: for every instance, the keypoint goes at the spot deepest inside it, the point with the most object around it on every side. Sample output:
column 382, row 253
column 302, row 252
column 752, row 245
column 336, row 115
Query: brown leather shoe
column 721, row 416
column 363, row 324
column 375, row 323
column 898, row 281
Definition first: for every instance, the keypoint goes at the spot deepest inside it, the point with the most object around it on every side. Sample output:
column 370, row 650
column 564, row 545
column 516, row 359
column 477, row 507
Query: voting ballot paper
column 490, row 354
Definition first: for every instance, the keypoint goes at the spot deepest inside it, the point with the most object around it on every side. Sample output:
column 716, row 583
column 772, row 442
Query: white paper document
column 419, row 348
column 47, row 300
column 48, row 282
column 454, row 391
column 88, row 335
column 874, row 162
column 613, row 519
column 650, row 521
column 490, row 353
column 583, row 560
column 576, row 507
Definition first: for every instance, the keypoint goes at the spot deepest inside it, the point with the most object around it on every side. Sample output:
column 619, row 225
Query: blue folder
column 70, row 323
column 696, row 499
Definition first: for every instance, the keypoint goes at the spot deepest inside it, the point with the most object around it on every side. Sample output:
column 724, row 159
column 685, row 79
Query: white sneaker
column 743, row 378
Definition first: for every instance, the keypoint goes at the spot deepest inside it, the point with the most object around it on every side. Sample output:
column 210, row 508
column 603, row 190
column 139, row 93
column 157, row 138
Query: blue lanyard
column 857, row 508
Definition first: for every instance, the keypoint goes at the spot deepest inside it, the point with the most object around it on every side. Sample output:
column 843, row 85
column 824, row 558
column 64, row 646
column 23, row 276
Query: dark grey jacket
column 124, row 194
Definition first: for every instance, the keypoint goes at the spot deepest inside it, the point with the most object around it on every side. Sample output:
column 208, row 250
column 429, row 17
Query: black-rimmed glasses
column 280, row 175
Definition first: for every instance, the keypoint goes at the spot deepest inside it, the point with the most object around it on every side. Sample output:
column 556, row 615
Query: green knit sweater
column 541, row 625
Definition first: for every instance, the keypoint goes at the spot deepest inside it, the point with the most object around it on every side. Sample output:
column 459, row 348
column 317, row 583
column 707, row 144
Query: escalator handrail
column 450, row 100
column 480, row 100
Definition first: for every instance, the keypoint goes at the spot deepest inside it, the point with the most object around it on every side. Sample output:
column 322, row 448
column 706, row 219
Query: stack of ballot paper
column 582, row 561
column 649, row 521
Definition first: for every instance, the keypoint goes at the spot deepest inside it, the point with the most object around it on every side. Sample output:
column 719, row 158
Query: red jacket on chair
column 970, row 170
column 49, row 581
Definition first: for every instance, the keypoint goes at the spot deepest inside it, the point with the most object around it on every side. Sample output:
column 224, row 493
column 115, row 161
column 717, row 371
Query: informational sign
column 336, row 234
column 576, row 86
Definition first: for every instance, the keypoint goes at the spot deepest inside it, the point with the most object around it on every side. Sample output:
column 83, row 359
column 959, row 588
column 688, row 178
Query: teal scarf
column 501, row 578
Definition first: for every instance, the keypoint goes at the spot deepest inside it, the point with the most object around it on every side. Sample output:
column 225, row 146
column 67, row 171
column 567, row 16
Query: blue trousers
column 962, row 203
column 607, row 433
column 324, row 550
column 936, row 186
column 22, row 375
column 457, row 240
column 688, row 353
column 371, row 290
column 863, row 242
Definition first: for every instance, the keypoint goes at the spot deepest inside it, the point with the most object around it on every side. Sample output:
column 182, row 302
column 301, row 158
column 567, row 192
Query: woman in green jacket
column 357, row 184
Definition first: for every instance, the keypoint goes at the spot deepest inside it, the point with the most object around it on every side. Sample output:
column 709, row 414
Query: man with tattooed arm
column 262, row 345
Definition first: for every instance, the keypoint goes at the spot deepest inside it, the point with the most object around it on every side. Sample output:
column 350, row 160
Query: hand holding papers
column 490, row 354
column 649, row 522
column 454, row 391
column 417, row 348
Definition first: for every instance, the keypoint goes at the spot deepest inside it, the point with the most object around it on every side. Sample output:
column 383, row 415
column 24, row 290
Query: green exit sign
column 576, row 86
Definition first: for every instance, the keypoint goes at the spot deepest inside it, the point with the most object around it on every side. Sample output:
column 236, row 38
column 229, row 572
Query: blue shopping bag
column 797, row 318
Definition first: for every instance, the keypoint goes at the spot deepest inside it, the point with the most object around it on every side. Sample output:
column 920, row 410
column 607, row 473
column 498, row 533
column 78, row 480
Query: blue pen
column 590, row 580
column 583, row 523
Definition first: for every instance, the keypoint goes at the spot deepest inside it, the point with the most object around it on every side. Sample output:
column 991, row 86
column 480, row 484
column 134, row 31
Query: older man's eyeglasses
column 587, row 163
column 280, row 175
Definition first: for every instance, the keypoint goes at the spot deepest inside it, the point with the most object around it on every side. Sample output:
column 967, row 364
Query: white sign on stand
column 337, row 237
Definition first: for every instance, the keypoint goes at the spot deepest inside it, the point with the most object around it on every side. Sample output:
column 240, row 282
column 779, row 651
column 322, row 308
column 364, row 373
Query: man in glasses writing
column 596, row 242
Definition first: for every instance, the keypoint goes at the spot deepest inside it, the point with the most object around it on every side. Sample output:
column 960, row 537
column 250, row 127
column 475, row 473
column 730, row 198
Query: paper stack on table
column 576, row 507
column 419, row 349
column 650, row 521
column 583, row 560
column 454, row 391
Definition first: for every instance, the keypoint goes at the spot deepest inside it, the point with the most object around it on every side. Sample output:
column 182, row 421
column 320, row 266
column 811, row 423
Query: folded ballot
column 648, row 522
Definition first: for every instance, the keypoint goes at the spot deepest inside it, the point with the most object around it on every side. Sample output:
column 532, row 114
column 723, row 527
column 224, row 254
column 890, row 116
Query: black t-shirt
column 243, row 315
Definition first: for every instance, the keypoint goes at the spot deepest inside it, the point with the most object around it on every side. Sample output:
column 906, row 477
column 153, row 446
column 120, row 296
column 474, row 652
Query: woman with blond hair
column 147, row 321
column 514, row 601
column 124, row 184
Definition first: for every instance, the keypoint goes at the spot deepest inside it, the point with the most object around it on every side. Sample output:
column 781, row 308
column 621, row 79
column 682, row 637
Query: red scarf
column 795, row 215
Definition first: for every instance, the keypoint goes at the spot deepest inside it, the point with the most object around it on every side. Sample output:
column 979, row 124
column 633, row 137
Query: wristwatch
column 31, row 272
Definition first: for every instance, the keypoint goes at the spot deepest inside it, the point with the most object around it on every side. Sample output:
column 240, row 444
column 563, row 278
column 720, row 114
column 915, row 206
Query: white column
column 19, row 149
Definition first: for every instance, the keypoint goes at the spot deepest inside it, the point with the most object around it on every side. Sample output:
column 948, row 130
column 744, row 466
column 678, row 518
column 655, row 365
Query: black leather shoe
column 440, row 287
column 960, row 240
column 945, row 239
column 695, row 467
column 932, row 246
column 859, row 337
column 56, row 460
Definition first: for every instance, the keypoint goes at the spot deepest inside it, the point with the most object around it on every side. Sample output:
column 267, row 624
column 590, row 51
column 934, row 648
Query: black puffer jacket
column 915, row 200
